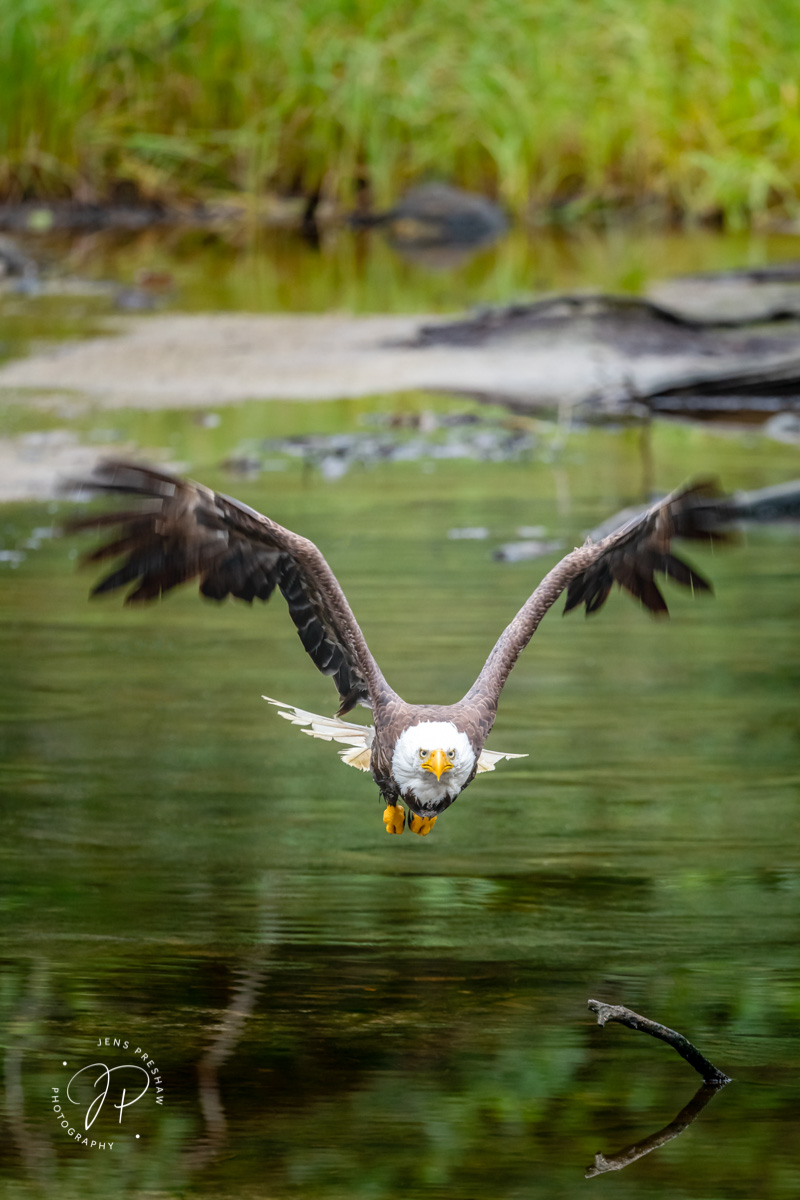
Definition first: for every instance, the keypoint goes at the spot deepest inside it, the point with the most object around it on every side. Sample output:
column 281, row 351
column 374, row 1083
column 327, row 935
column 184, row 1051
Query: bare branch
column 626, row 1016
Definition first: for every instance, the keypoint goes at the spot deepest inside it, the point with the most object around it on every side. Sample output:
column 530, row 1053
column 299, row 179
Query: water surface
column 337, row 1012
column 268, row 271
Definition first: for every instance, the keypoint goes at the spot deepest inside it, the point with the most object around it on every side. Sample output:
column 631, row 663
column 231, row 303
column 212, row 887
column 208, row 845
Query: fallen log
column 623, row 355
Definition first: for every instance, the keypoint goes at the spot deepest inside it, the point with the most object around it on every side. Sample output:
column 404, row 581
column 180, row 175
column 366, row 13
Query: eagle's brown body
column 179, row 530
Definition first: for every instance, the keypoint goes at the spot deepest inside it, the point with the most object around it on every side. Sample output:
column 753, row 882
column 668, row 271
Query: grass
column 545, row 104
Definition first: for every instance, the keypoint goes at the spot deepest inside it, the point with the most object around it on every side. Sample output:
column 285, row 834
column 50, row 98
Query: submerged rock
column 333, row 455
column 469, row 533
column 524, row 551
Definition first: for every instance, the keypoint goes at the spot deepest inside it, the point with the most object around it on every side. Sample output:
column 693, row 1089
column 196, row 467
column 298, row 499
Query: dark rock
column 336, row 454
column 14, row 262
column 436, row 214
column 768, row 505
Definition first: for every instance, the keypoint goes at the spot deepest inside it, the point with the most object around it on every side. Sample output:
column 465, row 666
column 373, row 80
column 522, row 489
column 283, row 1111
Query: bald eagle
column 422, row 756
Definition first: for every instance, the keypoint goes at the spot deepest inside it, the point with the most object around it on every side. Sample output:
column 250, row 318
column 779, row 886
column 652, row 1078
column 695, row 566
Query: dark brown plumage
column 181, row 530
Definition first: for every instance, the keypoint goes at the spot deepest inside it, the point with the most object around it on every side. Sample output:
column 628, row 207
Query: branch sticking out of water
column 626, row 1016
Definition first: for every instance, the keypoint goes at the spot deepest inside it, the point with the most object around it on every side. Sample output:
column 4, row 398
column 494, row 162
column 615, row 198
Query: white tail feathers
column 358, row 737
column 357, row 758
column 489, row 759
column 331, row 729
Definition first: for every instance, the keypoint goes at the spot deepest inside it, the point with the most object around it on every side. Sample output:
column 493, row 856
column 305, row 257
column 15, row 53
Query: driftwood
column 626, row 1016
column 731, row 353
column 624, row 1158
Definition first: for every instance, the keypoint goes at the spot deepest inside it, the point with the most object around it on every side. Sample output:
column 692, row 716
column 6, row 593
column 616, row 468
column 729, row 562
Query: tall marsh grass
column 542, row 103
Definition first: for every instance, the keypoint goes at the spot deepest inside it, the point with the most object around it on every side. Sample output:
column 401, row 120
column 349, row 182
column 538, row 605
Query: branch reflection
column 624, row 1158
column 229, row 1031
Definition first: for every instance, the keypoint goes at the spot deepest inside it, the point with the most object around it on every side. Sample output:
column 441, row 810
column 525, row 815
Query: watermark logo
column 96, row 1103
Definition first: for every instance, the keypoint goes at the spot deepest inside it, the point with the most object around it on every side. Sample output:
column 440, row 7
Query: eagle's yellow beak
column 437, row 763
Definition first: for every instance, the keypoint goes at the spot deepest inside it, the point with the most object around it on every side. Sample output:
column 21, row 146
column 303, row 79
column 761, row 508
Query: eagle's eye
column 423, row 753
column 451, row 753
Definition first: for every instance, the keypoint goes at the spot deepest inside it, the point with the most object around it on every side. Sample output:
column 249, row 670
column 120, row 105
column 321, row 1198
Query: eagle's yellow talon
column 420, row 825
column 394, row 818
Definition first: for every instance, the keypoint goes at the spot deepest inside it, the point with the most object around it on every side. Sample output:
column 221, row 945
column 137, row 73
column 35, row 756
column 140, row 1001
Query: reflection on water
column 335, row 1011
column 603, row 1163
column 362, row 272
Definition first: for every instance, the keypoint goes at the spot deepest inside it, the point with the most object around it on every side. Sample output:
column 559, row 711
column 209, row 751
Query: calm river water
column 333, row 1012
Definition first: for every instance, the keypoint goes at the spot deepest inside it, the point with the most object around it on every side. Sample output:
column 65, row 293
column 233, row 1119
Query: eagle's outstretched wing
column 630, row 556
column 179, row 530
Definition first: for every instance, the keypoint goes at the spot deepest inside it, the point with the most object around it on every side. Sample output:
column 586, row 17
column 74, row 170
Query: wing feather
column 630, row 556
column 634, row 553
column 183, row 531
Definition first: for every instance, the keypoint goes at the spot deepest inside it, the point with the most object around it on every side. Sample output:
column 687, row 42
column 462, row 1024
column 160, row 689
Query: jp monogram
column 108, row 1089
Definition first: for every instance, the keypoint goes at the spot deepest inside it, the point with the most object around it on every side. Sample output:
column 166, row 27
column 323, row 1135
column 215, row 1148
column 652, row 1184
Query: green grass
column 567, row 104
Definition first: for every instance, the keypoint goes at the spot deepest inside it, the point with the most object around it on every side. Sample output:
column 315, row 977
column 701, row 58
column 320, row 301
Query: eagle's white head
column 431, row 763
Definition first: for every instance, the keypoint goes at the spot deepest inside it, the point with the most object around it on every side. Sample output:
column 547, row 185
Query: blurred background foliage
column 548, row 105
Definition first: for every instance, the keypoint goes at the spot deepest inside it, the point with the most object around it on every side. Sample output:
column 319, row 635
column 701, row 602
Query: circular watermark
column 103, row 1094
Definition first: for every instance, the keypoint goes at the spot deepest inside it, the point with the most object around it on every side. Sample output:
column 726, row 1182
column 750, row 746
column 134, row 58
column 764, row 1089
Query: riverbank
column 552, row 110
column 351, row 319
column 599, row 357
column 597, row 360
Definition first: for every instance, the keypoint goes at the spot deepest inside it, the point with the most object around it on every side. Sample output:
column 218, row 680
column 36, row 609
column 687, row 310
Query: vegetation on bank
column 546, row 104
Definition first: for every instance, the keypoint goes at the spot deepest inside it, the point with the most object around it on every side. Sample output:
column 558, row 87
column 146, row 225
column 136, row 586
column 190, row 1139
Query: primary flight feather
column 420, row 755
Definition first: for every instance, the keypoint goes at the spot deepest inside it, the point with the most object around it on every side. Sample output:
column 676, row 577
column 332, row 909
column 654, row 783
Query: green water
column 335, row 1012
column 268, row 271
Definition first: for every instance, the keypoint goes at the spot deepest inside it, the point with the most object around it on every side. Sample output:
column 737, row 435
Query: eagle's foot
column 394, row 818
column 420, row 825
